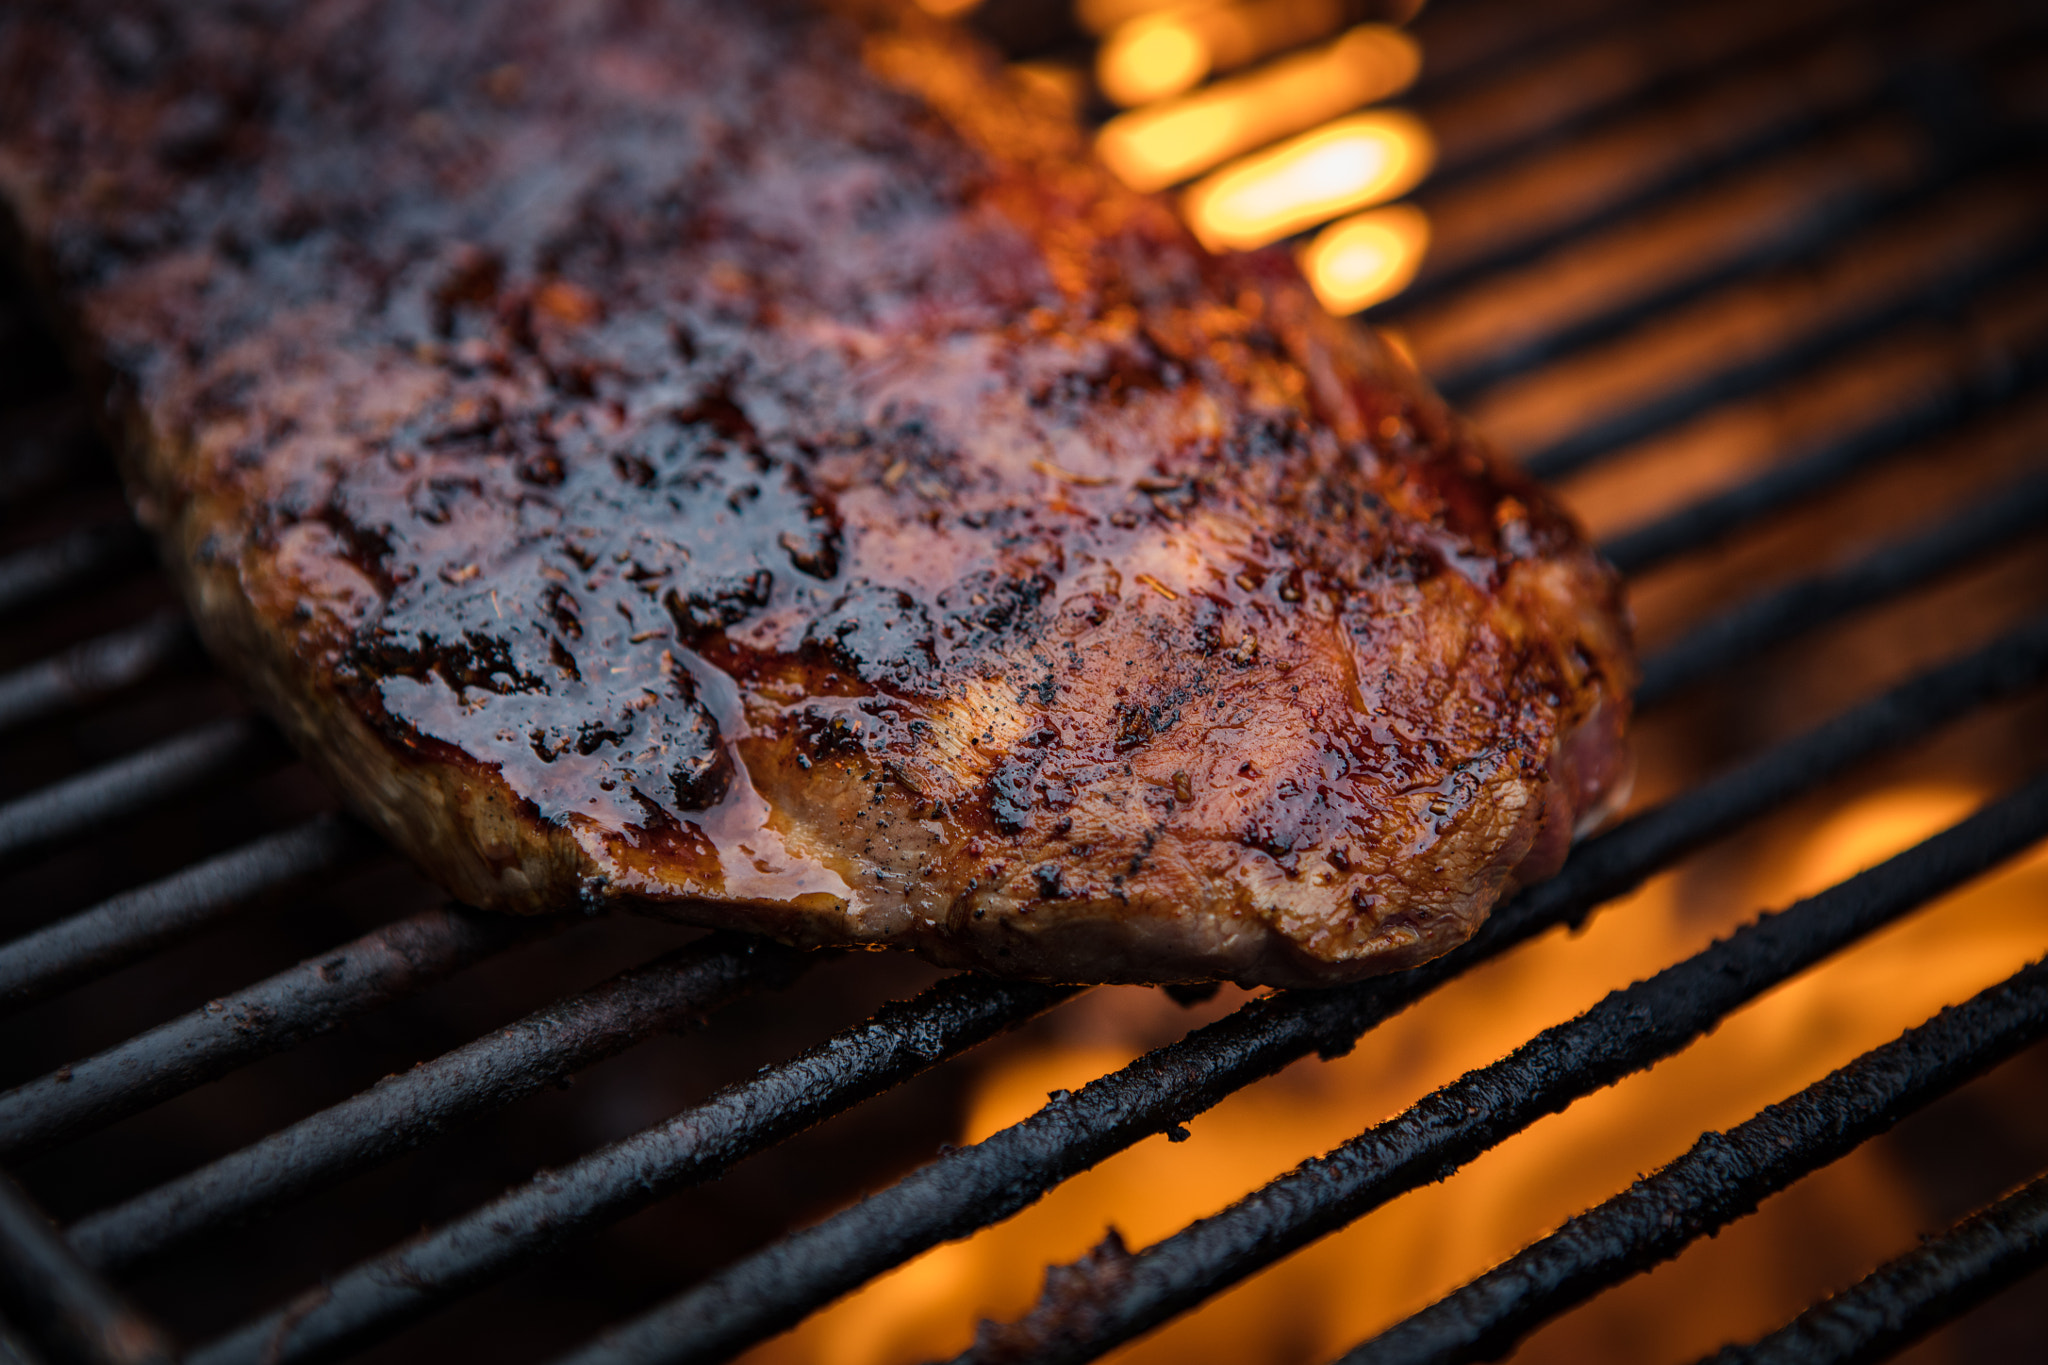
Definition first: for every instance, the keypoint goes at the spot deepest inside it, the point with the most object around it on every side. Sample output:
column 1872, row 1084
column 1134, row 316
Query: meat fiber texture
column 754, row 466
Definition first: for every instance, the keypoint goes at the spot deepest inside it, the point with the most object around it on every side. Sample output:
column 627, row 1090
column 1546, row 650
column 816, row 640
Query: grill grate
column 1902, row 1300
column 1572, row 98
column 1723, row 1177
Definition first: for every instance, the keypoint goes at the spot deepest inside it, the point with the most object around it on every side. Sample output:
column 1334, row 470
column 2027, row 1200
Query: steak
column 752, row 465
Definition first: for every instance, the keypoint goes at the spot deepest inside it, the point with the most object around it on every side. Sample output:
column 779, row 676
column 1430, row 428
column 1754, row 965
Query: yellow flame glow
column 1151, row 58
column 1100, row 16
column 1158, row 55
column 947, row 9
column 1351, row 164
column 1150, row 149
column 1366, row 258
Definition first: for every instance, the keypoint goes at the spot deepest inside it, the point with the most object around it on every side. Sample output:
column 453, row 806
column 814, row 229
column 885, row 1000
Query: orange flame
column 1102, row 16
column 1163, row 53
column 1367, row 257
column 1325, row 1299
column 1150, row 149
column 1350, row 164
column 1151, row 58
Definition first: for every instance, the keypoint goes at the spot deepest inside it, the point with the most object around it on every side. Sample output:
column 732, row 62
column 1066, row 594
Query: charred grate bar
column 268, row 1017
column 207, row 754
column 1801, row 244
column 45, row 574
column 134, row 924
column 95, row 670
column 1700, row 166
column 1965, row 137
column 1722, row 1178
column 674, row 991
column 49, row 1293
column 1903, row 1301
column 2020, row 509
column 377, row 1296
column 1978, row 392
column 1607, row 437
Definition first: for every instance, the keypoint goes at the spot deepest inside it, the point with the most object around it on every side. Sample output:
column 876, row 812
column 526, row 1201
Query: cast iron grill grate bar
column 674, row 991
column 268, row 1017
column 31, row 467
column 201, row 756
column 1797, row 244
column 48, row 573
column 1747, row 630
column 1626, row 1032
column 1693, row 169
column 1981, row 391
column 981, row 1184
column 1904, row 1300
column 1676, row 73
column 45, row 1290
column 1800, row 353
column 95, row 670
column 1964, row 146
column 383, row 1294
column 1723, row 1177
column 1532, row 36
column 1526, row 33
column 1963, row 136
column 134, row 924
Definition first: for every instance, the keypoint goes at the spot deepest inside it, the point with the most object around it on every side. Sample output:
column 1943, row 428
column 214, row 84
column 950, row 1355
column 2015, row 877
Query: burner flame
column 1168, row 142
column 1347, row 165
column 1366, row 258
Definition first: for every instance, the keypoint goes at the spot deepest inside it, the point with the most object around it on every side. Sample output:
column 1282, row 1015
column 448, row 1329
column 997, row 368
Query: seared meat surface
column 754, row 466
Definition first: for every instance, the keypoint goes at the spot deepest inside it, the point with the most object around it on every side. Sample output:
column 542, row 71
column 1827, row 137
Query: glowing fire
column 1103, row 16
column 1156, row 50
column 1350, row 164
column 1161, row 54
column 1367, row 257
column 1167, row 143
column 1151, row 58
column 1317, row 1303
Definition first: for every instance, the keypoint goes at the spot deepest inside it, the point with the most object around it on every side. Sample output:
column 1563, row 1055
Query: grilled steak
column 754, row 466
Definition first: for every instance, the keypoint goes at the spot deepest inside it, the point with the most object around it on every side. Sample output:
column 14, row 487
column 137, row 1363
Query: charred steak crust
column 756, row 466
